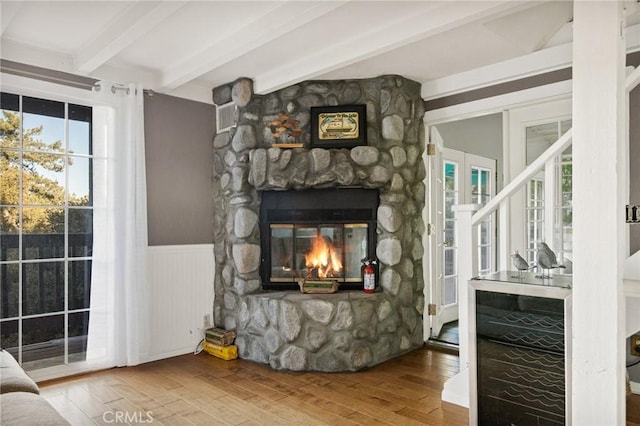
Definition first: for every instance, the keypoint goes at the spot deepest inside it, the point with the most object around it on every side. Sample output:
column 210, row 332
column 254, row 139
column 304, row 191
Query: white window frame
column 56, row 92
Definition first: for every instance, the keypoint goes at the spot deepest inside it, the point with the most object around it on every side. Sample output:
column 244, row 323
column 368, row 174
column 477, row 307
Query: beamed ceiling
column 186, row 48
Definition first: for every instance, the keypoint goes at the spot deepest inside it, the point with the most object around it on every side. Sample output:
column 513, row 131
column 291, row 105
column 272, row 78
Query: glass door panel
column 452, row 198
column 481, row 193
column 326, row 259
column 282, row 252
column 318, row 251
column 355, row 249
column 303, row 241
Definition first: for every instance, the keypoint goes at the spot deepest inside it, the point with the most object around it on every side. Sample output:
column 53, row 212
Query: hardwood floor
column 204, row 390
column 633, row 410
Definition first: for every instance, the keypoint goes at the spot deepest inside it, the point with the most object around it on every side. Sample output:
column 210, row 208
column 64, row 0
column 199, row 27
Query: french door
column 455, row 178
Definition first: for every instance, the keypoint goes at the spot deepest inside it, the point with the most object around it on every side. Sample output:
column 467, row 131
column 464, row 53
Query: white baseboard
column 171, row 354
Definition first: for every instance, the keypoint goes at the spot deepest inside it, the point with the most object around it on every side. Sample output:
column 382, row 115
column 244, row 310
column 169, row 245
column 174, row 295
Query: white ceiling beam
column 134, row 22
column 551, row 59
column 272, row 25
column 378, row 40
column 35, row 55
column 126, row 74
column 546, row 60
column 194, row 91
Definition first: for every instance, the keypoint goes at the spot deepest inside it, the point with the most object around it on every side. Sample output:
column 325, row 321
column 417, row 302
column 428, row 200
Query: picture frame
column 340, row 126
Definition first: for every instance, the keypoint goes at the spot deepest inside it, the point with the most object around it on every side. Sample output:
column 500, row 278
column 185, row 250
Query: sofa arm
column 12, row 376
column 24, row 408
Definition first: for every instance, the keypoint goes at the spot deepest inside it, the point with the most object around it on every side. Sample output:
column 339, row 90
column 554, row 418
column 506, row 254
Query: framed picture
column 341, row 126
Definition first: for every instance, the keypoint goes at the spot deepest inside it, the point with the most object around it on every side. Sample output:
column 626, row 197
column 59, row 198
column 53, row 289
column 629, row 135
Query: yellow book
column 218, row 336
column 224, row 352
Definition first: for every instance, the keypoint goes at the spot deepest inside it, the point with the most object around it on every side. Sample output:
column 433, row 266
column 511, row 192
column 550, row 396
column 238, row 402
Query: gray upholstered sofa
column 20, row 400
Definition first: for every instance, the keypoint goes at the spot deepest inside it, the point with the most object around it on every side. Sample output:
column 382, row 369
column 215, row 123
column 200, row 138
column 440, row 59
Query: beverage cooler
column 520, row 349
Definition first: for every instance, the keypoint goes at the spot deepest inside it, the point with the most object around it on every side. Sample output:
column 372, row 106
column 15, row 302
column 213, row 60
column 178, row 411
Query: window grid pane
column 564, row 210
column 535, row 216
column 538, row 138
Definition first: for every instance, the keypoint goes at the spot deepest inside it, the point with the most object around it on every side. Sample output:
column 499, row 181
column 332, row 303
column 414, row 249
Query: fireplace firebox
column 317, row 234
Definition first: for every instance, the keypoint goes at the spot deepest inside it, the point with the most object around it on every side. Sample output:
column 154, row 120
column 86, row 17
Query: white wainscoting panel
column 181, row 293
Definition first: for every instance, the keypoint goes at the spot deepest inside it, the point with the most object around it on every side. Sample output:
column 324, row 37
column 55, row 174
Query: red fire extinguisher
column 369, row 275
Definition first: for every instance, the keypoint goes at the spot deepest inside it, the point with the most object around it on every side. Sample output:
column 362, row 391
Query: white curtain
column 119, row 320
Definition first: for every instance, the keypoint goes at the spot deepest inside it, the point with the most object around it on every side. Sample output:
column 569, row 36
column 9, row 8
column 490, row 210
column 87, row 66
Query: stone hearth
column 348, row 330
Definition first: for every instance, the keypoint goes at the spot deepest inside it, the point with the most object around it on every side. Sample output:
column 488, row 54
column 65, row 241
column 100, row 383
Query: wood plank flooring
column 204, row 390
column 633, row 410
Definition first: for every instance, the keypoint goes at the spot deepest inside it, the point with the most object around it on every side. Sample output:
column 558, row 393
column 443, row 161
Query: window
column 558, row 211
column 535, row 216
column 451, row 198
column 563, row 229
column 46, row 229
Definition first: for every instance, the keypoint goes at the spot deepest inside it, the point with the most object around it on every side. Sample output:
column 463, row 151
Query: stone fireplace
column 278, row 325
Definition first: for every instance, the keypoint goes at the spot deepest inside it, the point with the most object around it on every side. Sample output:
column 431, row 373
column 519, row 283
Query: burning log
column 323, row 260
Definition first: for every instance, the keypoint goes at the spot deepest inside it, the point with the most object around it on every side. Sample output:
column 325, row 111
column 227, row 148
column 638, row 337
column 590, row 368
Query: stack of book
column 219, row 343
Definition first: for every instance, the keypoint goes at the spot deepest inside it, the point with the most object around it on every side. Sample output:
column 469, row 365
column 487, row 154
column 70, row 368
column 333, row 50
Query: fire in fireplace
column 323, row 259
column 319, row 234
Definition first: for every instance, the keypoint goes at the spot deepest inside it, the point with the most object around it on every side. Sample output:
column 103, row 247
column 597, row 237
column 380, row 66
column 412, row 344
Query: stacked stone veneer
column 348, row 330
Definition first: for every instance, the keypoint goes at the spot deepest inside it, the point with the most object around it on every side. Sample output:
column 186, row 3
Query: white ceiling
column 187, row 48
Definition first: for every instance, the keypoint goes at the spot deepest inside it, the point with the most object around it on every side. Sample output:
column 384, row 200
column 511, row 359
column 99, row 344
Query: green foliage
column 37, row 189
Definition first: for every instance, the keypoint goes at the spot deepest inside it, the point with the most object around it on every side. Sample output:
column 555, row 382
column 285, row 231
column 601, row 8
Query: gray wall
column 479, row 136
column 179, row 156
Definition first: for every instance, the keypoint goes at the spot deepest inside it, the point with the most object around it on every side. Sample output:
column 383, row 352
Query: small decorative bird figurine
column 546, row 259
column 519, row 263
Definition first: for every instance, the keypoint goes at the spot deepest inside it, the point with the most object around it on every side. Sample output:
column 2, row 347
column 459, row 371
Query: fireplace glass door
column 317, row 234
column 325, row 251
